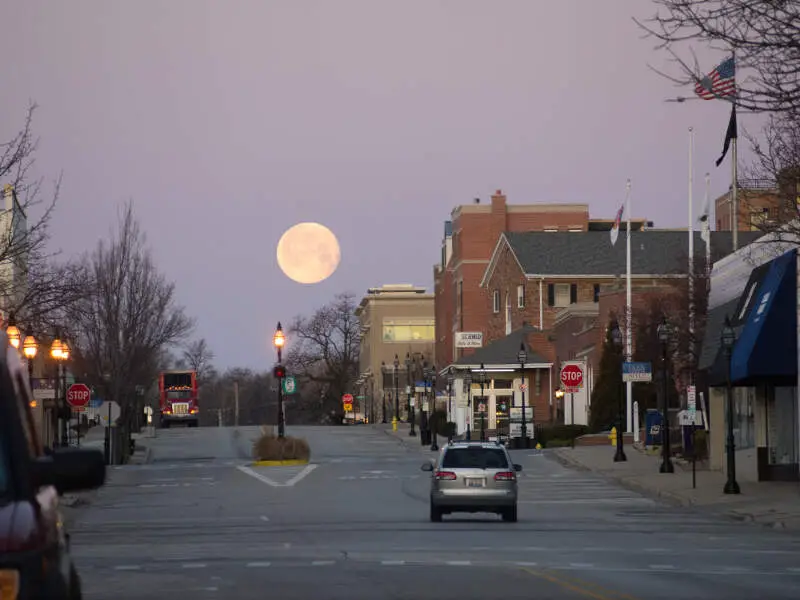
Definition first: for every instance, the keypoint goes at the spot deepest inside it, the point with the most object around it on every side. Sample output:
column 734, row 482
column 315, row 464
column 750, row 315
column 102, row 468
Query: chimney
column 477, row 200
column 499, row 221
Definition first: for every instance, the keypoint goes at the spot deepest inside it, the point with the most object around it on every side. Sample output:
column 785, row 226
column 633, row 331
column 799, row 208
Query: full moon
column 308, row 253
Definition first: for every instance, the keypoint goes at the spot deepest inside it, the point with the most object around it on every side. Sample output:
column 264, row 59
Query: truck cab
column 178, row 398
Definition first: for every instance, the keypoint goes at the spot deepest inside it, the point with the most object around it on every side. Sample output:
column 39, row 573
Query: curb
column 279, row 463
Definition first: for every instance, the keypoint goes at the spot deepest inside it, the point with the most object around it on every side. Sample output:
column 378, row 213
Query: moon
column 308, row 253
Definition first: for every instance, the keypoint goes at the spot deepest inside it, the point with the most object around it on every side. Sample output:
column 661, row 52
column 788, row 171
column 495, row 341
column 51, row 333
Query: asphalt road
column 354, row 525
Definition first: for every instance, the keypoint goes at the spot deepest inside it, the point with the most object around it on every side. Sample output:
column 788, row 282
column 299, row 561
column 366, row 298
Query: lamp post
column 432, row 419
column 423, row 415
column 409, row 363
column 383, row 392
column 60, row 352
column 664, row 336
column 482, row 381
column 12, row 332
column 30, row 348
column 450, row 380
column 468, row 389
column 279, row 340
column 522, row 357
column 616, row 339
column 396, row 394
column 728, row 340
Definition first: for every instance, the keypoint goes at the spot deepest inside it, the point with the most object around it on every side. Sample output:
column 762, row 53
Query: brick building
column 762, row 204
column 470, row 237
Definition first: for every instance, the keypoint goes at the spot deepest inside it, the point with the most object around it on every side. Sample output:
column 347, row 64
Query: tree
column 120, row 329
column 609, row 387
column 762, row 33
column 323, row 349
column 199, row 357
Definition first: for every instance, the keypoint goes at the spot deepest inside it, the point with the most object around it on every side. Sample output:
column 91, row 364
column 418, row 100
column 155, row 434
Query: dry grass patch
column 270, row 447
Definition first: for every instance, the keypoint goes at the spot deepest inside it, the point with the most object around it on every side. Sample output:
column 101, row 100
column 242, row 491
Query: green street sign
column 289, row 385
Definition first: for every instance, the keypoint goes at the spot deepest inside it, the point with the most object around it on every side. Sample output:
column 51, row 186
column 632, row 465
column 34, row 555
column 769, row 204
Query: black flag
column 731, row 134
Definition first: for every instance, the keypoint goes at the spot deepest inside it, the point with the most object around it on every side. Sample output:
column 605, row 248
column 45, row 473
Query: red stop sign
column 347, row 399
column 78, row 395
column 572, row 376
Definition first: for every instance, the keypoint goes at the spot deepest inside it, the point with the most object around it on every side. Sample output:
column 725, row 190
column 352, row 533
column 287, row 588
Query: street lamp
column 664, row 336
column 59, row 350
column 468, row 390
column 482, row 381
column 13, row 331
column 279, row 341
column 30, row 348
column 411, row 385
column 616, row 338
column 383, row 392
column 423, row 415
column 522, row 357
column 396, row 394
column 728, row 340
column 432, row 419
column 450, row 380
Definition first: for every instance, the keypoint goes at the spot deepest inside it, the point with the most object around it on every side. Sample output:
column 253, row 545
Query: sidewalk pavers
column 411, row 443
column 776, row 504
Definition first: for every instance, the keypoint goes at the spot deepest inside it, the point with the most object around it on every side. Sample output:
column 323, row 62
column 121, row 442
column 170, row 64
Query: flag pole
column 734, row 194
column 628, row 319
column 691, row 238
column 707, row 231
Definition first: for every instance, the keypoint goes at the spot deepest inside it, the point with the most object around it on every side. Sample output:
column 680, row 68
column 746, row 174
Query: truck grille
column 180, row 409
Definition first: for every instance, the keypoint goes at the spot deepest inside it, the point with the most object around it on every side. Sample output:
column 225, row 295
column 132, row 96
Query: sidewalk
column 410, row 443
column 775, row 504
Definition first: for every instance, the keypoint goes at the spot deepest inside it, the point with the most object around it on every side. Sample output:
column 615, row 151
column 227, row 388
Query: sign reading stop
column 572, row 378
column 78, row 395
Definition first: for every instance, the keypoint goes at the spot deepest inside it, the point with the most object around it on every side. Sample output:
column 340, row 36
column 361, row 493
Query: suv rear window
column 475, row 458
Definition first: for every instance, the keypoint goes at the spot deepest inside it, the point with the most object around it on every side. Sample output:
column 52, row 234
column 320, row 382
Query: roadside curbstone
column 279, row 463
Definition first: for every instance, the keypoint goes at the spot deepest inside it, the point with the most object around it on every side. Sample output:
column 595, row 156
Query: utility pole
column 236, row 403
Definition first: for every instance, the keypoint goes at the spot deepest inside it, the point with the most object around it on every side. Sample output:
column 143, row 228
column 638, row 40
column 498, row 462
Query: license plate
column 474, row 483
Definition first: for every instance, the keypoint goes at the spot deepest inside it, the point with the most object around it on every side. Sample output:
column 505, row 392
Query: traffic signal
column 279, row 372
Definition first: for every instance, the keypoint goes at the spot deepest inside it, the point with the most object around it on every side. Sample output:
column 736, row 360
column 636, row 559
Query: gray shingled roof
column 653, row 252
column 504, row 351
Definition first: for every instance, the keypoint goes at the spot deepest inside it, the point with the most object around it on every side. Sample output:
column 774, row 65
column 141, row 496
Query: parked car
column 473, row 477
column 34, row 548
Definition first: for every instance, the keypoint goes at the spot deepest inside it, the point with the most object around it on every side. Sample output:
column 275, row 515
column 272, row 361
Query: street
column 353, row 524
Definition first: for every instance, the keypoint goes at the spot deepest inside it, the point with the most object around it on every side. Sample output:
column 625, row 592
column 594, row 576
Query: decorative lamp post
column 616, row 339
column 522, row 357
column 423, row 414
column 411, row 385
column 450, row 380
column 279, row 341
column 60, row 352
column 13, row 331
column 30, row 348
column 396, row 394
column 664, row 336
column 432, row 419
column 482, row 381
column 468, row 390
column 728, row 341
column 383, row 391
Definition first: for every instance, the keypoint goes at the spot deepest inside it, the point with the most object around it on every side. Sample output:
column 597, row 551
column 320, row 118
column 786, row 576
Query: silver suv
column 473, row 477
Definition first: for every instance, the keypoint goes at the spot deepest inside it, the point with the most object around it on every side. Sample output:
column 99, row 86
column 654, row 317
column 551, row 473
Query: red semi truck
column 177, row 391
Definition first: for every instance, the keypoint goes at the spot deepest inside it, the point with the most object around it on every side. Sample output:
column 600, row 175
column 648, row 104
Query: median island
column 269, row 450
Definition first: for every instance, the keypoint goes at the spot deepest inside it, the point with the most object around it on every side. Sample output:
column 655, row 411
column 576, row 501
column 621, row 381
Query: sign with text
column 637, row 372
column 572, row 377
column 347, row 402
column 469, row 339
column 78, row 395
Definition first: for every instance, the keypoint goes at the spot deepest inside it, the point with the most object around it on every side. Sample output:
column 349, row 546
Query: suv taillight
column 505, row 476
column 446, row 475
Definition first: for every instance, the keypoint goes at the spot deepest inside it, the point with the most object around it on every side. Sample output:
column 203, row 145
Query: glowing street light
column 13, row 331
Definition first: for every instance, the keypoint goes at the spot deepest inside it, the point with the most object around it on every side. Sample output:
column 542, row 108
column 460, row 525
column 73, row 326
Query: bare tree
column 120, row 330
column 199, row 357
column 323, row 349
column 763, row 34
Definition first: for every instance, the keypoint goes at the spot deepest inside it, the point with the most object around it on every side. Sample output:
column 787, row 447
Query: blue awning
column 767, row 345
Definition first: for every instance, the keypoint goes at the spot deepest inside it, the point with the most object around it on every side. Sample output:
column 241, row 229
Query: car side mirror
column 518, row 468
column 70, row 469
column 427, row 467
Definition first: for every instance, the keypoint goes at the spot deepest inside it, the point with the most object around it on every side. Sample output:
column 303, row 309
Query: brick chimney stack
column 499, row 219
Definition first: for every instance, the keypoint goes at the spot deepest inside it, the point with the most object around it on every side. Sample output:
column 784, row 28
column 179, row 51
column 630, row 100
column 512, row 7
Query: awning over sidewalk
column 766, row 348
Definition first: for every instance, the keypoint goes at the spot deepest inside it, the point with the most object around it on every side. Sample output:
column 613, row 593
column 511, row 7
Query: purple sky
column 229, row 121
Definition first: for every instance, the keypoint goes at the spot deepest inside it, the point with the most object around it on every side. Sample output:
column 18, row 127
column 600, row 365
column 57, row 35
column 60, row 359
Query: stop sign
column 78, row 395
column 572, row 377
column 347, row 399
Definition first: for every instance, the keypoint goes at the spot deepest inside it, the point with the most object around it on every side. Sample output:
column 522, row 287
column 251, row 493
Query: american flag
column 719, row 83
column 615, row 227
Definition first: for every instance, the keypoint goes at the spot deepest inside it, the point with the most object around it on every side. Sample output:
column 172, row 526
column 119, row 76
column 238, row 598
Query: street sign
column 572, row 378
column 347, row 402
column 637, row 371
column 469, row 339
column 78, row 395
column 109, row 408
column 289, row 385
column 691, row 402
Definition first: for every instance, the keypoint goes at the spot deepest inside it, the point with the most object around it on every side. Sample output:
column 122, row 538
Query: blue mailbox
column 653, row 421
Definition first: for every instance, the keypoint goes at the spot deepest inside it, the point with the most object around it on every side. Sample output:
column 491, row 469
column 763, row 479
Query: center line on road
column 662, row 567
column 525, row 564
column 258, row 564
column 127, row 568
column 323, row 563
column 459, row 563
column 393, row 562
column 581, row 565
column 264, row 518
column 194, row 565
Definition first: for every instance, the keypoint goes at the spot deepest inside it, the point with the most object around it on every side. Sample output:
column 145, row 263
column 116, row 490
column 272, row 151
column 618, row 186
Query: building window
column 561, row 295
column 520, row 296
column 411, row 330
column 596, row 296
column 496, row 301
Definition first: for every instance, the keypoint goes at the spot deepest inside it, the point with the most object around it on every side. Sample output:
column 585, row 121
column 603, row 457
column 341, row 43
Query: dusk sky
column 229, row 121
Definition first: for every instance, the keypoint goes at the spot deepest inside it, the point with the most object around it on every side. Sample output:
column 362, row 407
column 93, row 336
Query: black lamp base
column 731, row 487
column 666, row 467
column 619, row 456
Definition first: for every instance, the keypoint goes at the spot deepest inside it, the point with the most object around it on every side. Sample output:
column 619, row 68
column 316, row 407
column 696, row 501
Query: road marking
column 287, row 545
column 793, row 569
column 258, row 564
column 525, row 564
column 459, row 563
column 194, row 565
column 624, row 500
column 737, row 569
column 264, row 518
column 304, row 473
column 656, row 550
column 127, row 568
column 534, row 548
column 662, row 567
column 393, row 562
column 581, row 565
column 259, row 476
column 576, row 587
column 323, row 563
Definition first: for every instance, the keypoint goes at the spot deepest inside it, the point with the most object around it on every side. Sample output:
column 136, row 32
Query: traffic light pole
column 281, row 425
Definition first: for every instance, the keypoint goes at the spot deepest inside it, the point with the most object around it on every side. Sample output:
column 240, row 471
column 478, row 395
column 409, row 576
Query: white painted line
column 626, row 500
column 304, row 473
column 393, row 562
column 194, row 565
column 534, row 549
column 581, row 565
column 287, row 545
column 264, row 518
column 459, row 563
column 525, row 564
column 481, row 548
column 793, row 569
column 258, row 564
column 737, row 569
column 259, row 476
column 323, row 563
column 656, row 550
column 662, row 567
column 127, row 568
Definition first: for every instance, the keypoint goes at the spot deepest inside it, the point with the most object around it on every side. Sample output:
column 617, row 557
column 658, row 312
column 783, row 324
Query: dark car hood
column 19, row 527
